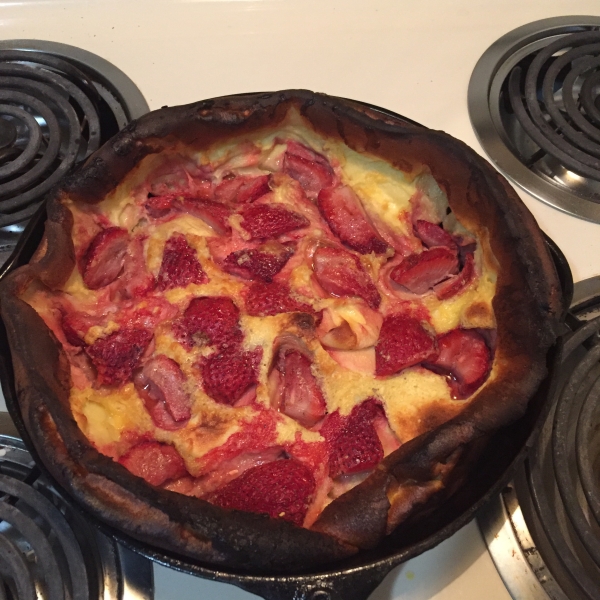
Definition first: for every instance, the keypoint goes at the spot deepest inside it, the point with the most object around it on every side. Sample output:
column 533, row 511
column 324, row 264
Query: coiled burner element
column 57, row 106
column 555, row 99
column 534, row 102
column 48, row 551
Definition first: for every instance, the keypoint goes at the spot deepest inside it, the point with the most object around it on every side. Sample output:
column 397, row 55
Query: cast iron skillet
column 357, row 577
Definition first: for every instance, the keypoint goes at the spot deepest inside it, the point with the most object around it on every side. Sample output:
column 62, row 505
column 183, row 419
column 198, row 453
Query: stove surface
column 412, row 58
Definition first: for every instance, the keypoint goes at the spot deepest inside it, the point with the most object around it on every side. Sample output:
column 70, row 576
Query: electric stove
column 412, row 58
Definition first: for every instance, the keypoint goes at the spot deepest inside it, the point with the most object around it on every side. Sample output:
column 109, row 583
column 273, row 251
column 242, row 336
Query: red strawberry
column 314, row 455
column 180, row 177
column 242, row 189
column 229, row 374
column 433, row 235
column 354, row 445
column 117, row 355
column 464, row 356
column 309, row 168
column 264, row 299
column 455, row 285
column 227, row 469
column 71, row 334
column 160, row 384
column 403, row 342
column 136, row 280
column 262, row 263
column 214, row 214
column 154, row 462
column 76, row 324
column 255, row 437
column 343, row 211
column 294, row 388
column 180, row 265
column 282, row 489
column 104, row 258
column 252, row 190
column 341, row 273
column 209, row 320
column 158, row 207
column 264, row 221
column 227, row 190
column 418, row 273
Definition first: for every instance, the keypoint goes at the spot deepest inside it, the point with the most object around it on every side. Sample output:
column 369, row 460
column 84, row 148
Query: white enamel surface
column 412, row 57
column 460, row 568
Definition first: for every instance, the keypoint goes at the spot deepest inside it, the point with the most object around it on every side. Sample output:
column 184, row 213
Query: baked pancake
column 263, row 330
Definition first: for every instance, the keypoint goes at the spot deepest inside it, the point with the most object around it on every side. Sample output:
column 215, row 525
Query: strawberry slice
column 307, row 167
column 180, row 176
column 242, row 189
column 209, row 320
column 302, row 399
column 418, row 273
column 294, row 388
column 265, row 299
column 73, row 337
column 154, row 462
column 433, row 235
column 118, row 354
column 229, row 468
column 135, row 280
column 104, row 258
column 264, row 221
column 213, row 213
column 160, row 383
column 341, row 273
column 282, row 489
column 256, row 435
column 354, row 445
column 262, row 263
column 403, row 342
column 76, row 324
column 158, row 207
column 229, row 374
column 254, row 189
column 466, row 358
column 180, row 265
column 455, row 285
column 221, row 247
column 344, row 213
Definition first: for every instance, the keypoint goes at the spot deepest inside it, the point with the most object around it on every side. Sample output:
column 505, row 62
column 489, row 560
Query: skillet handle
column 352, row 584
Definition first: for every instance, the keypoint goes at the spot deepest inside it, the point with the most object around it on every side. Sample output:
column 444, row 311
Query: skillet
column 492, row 465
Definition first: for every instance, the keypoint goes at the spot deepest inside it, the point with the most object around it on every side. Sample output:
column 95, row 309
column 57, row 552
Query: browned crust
column 527, row 308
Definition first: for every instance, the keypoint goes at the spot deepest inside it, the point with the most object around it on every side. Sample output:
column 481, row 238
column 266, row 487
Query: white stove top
column 414, row 58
